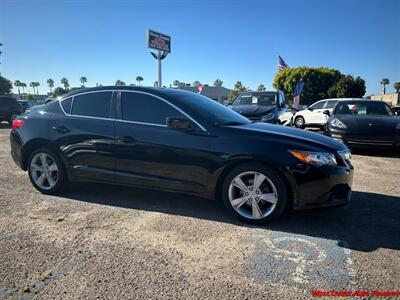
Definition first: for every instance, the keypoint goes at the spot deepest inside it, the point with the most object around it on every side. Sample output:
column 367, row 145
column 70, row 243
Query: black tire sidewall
column 273, row 176
column 295, row 122
column 62, row 178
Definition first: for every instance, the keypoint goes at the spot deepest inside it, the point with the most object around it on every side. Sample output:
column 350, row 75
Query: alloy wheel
column 44, row 171
column 299, row 122
column 253, row 195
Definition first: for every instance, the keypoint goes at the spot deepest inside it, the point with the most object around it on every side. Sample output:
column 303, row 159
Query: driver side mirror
column 180, row 123
column 326, row 112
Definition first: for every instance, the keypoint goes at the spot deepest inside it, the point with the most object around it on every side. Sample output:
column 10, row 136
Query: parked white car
column 314, row 116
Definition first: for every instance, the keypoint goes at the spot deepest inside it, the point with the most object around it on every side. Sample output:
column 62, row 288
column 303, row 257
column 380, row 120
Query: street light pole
column 159, row 69
column 1, row 44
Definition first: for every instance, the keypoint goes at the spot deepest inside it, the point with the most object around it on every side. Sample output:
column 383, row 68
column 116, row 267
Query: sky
column 227, row 39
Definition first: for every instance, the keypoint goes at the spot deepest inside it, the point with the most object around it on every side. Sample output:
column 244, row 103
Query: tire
column 59, row 177
column 272, row 188
column 299, row 122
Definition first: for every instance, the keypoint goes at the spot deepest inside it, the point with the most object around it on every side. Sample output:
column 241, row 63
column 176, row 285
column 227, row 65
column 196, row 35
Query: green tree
column 317, row 82
column 17, row 84
column 64, row 81
column 83, row 81
column 176, row 83
column 347, row 87
column 261, row 88
column 384, row 82
column 218, row 82
column 119, row 82
column 5, row 86
column 196, row 83
column 238, row 88
column 33, row 86
column 50, row 83
column 59, row 91
column 396, row 86
column 139, row 79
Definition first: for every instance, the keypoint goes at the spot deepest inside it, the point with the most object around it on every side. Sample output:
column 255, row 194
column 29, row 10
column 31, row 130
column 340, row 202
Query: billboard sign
column 158, row 41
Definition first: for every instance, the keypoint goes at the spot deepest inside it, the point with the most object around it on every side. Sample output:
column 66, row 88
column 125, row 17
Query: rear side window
column 66, row 105
column 318, row 105
column 143, row 108
column 331, row 104
column 92, row 105
column 9, row 103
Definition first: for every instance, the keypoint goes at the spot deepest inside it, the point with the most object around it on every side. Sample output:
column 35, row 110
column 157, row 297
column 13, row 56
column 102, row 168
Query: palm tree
column 65, row 83
column 176, row 83
column 384, row 82
column 155, row 84
column 218, row 83
column 37, row 87
column 261, row 88
column 17, row 84
column 50, row 83
column 83, row 80
column 33, row 85
column 396, row 86
column 119, row 82
column 23, row 85
column 139, row 79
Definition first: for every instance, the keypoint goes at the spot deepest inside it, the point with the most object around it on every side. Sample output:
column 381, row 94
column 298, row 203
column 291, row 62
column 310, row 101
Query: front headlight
column 268, row 117
column 315, row 158
column 335, row 122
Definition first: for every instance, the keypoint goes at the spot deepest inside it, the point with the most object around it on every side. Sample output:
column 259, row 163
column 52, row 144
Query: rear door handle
column 127, row 140
column 61, row 129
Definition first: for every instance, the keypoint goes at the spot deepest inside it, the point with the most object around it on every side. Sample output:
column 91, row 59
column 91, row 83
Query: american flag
column 281, row 64
column 297, row 92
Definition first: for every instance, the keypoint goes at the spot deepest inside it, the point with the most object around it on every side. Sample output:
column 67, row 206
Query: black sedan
column 364, row 123
column 174, row 140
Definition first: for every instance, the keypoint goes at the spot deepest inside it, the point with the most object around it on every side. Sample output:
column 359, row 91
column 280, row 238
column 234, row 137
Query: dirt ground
column 98, row 241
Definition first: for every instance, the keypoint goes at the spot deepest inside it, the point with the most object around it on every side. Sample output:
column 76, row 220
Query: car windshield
column 258, row 99
column 209, row 109
column 363, row 108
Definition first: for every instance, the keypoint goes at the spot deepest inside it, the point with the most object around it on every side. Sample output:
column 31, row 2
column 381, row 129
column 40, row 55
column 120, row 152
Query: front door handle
column 61, row 129
column 127, row 140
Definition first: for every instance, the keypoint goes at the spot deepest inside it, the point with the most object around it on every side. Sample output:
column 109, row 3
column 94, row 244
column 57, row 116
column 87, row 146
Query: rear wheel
column 254, row 193
column 299, row 122
column 46, row 171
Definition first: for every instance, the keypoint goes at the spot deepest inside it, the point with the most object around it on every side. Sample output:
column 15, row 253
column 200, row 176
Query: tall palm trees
column 384, row 82
column 83, row 80
column 64, row 81
column 176, row 83
column 50, row 83
column 396, row 86
column 23, row 85
column 139, row 79
column 35, row 84
column 17, row 84
column 261, row 88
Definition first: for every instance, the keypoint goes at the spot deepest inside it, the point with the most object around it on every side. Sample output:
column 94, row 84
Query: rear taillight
column 17, row 123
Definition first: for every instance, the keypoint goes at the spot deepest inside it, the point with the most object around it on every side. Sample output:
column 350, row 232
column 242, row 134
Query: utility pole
column 162, row 43
column 1, row 45
column 159, row 56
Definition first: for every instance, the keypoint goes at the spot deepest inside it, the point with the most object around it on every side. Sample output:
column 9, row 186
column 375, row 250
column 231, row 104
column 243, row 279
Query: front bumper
column 322, row 186
column 384, row 140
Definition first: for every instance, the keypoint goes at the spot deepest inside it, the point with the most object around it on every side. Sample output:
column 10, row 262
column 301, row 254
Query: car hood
column 298, row 136
column 252, row 110
column 367, row 123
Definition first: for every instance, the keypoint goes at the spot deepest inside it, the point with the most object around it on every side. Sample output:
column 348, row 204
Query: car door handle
column 61, row 129
column 127, row 140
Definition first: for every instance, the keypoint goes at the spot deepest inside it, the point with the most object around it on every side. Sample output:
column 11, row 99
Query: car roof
column 342, row 99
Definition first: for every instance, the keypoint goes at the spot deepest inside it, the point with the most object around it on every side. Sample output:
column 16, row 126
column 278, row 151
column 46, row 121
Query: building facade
column 216, row 93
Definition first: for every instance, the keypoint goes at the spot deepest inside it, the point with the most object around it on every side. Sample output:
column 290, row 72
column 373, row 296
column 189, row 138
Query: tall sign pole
column 162, row 43
column 1, row 44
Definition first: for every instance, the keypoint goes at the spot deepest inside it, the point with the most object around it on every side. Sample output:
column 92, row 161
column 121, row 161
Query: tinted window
column 143, row 108
column 331, row 104
column 92, row 105
column 263, row 99
column 363, row 108
column 66, row 104
column 9, row 103
column 318, row 105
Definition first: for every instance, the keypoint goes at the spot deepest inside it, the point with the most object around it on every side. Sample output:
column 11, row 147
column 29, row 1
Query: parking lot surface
column 98, row 241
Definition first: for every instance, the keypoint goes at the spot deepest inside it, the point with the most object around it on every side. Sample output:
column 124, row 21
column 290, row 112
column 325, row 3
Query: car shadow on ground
column 370, row 221
column 395, row 153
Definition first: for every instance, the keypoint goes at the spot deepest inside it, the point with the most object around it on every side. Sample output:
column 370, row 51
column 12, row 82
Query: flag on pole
column 297, row 91
column 281, row 64
column 200, row 88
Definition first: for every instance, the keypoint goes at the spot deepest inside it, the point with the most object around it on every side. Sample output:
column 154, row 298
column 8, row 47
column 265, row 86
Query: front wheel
column 46, row 171
column 299, row 122
column 255, row 193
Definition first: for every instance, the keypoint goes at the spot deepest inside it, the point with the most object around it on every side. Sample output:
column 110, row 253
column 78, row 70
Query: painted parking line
column 300, row 261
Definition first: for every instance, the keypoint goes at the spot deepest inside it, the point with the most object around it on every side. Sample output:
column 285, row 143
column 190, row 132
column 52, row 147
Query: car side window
column 330, row 104
column 138, row 107
column 66, row 105
column 318, row 105
column 92, row 105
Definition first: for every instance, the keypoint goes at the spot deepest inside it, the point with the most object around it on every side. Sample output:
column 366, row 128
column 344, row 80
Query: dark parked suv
column 175, row 140
column 9, row 108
